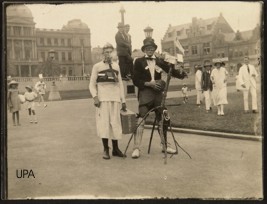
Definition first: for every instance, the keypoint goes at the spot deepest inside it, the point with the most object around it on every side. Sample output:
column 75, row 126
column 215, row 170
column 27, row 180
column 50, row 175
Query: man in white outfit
column 198, row 84
column 106, row 88
column 247, row 77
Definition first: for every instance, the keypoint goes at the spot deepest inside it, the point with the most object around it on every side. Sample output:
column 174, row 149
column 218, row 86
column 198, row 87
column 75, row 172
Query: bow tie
column 149, row 58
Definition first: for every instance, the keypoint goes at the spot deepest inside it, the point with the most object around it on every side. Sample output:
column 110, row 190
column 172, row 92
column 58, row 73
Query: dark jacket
column 142, row 75
column 206, row 81
column 123, row 46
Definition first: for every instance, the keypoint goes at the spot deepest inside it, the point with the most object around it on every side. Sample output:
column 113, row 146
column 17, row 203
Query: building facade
column 28, row 47
column 206, row 39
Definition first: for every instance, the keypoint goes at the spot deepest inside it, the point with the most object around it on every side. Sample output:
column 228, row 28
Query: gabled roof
column 201, row 22
column 245, row 35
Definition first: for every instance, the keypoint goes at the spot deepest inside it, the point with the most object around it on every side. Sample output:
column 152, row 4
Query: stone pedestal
column 54, row 93
column 129, row 88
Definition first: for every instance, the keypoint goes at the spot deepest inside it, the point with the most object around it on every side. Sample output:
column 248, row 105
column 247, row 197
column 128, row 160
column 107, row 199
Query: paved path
column 66, row 157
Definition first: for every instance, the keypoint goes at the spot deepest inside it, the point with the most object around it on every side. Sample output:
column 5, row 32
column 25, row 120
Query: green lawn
column 235, row 121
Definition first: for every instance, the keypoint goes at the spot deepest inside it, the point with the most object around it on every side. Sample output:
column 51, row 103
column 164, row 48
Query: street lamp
column 148, row 32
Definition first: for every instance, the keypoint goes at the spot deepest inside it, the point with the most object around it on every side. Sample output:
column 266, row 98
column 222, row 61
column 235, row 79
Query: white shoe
column 136, row 154
column 169, row 150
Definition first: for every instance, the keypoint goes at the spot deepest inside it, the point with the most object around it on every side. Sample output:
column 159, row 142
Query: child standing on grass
column 13, row 101
column 30, row 97
column 40, row 87
column 184, row 93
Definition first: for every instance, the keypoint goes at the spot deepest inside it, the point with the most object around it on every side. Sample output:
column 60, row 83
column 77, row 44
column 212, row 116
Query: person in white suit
column 247, row 78
column 198, row 82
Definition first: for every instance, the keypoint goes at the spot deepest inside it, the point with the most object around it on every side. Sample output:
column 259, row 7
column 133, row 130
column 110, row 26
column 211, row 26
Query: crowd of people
column 15, row 99
column 211, row 85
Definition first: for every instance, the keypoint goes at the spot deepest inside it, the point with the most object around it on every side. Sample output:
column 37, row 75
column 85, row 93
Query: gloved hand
column 123, row 107
column 154, row 85
column 96, row 102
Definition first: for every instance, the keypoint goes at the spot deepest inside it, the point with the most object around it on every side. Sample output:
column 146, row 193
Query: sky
column 103, row 18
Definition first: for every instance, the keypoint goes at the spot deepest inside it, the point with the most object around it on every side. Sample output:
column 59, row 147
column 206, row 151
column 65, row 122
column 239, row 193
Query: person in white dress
column 247, row 79
column 219, row 81
column 30, row 96
column 107, row 90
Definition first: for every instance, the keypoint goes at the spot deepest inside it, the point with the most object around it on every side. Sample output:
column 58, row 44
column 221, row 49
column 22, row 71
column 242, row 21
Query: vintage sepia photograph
column 133, row 100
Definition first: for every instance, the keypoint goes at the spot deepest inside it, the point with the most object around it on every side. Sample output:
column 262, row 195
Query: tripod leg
column 177, row 144
column 128, row 143
column 152, row 132
column 163, row 140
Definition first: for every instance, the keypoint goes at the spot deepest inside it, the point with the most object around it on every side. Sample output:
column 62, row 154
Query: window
column 8, row 30
column 230, row 53
column 206, row 48
column 178, row 33
column 69, row 56
column 187, row 31
column 62, row 41
column 81, row 42
column 18, row 49
column 223, row 54
column 17, row 30
column 194, row 50
column 9, row 48
column 69, row 42
column 186, row 50
column 70, row 72
column 56, row 41
column 240, row 53
column 169, row 35
column 41, row 41
column 43, row 56
column 28, row 49
column 56, row 56
column 49, row 41
column 27, row 31
column 209, row 27
column 63, row 57
column 236, row 54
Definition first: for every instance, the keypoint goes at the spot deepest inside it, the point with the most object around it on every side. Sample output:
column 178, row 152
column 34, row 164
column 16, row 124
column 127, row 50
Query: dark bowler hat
column 120, row 25
column 207, row 64
column 148, row 42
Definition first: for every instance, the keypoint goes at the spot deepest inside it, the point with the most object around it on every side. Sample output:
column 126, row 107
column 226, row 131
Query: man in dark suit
column 206, row 85
column 123, row 51
column 147, row 77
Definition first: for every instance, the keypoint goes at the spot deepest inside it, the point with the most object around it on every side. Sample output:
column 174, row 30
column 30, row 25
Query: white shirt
column 152, row 66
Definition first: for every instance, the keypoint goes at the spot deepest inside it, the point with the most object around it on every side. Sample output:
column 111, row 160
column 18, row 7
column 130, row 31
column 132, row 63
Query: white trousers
column 207, row 95
column 199, row 96
column 253, row 93
column 108, row 120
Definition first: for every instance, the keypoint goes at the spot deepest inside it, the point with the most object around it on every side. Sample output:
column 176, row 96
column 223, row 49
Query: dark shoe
column 106, row 154
column 255, row 111
column 117, row 153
